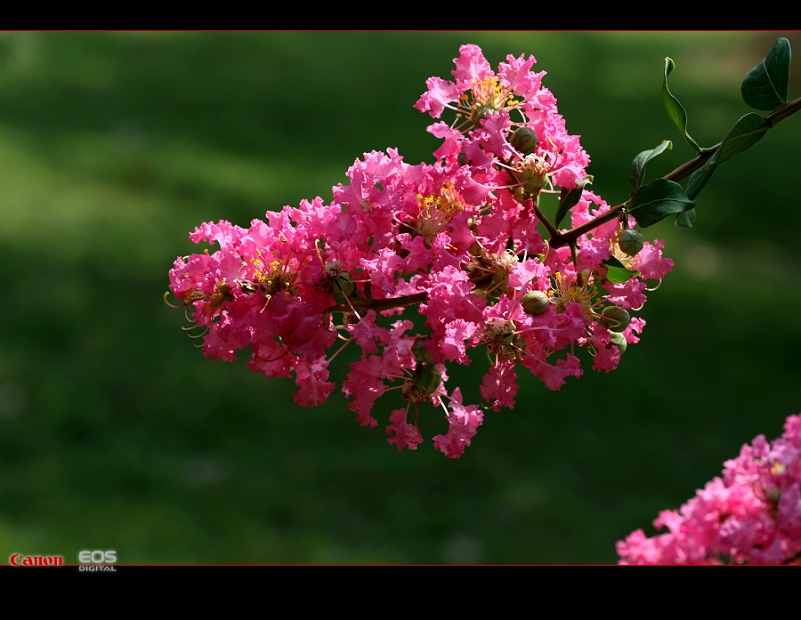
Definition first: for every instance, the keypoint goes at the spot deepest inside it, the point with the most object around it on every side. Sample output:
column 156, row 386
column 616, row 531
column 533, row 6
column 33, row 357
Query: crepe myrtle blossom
column 751, row 514
column 466, row 243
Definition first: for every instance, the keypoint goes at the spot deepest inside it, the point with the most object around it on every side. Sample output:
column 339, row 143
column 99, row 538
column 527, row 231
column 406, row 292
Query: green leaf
column 685, row 219
column 653, row 202
column 746, row 133
column 674, row 108
column 765, row 86
column 698, row 179
column 638, row 165
column 569, row 198
column 617, row 272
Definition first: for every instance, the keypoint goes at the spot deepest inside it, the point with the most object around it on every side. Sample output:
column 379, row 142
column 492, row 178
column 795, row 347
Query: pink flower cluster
column 463, row 241
column 752, row 515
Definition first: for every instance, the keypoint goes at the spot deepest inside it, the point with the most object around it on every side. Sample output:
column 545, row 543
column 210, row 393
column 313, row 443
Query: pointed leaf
column 698, row 179
column 617, row 271
column 569, row 198
column 638, row 165
column 765, row 86
column 674, row 108
column 653, row 202
column 746, row 133
column 685, row 219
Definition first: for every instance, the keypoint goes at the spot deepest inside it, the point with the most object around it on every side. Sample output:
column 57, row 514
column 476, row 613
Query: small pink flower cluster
column 752, row 515
column 461, row 240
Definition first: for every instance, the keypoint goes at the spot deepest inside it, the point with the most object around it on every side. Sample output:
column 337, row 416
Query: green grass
column 116, row 433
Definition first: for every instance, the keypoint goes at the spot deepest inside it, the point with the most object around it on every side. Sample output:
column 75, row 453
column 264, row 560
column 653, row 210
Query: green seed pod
column 615, row 318
column 423, row 382
column 535, row 183
column 430, row 378
column 524, row 140
column 520, row 194
column 629, row 241
column 508, row 339
column 535, row 303
column 480, row 113
column 620, row 341
column 343, row 285
column 419, row 350
column 500, row 277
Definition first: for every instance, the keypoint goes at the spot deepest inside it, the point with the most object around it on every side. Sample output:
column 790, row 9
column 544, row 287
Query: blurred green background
column 116, row 434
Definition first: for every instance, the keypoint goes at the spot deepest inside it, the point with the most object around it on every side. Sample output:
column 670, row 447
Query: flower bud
column 629, row 241
column 535, row 303
column 524, row 140
column 531, row 173
column 620, row 341
column 615, row 318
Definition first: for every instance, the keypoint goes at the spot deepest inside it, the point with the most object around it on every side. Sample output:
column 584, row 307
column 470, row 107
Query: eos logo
column 97, row 557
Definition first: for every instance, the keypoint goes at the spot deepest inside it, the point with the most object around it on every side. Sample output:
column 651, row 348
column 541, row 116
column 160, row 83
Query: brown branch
column 786, row 111
column 545, row 221
column 382, row 304
column 560, row 239
column 682, row 172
